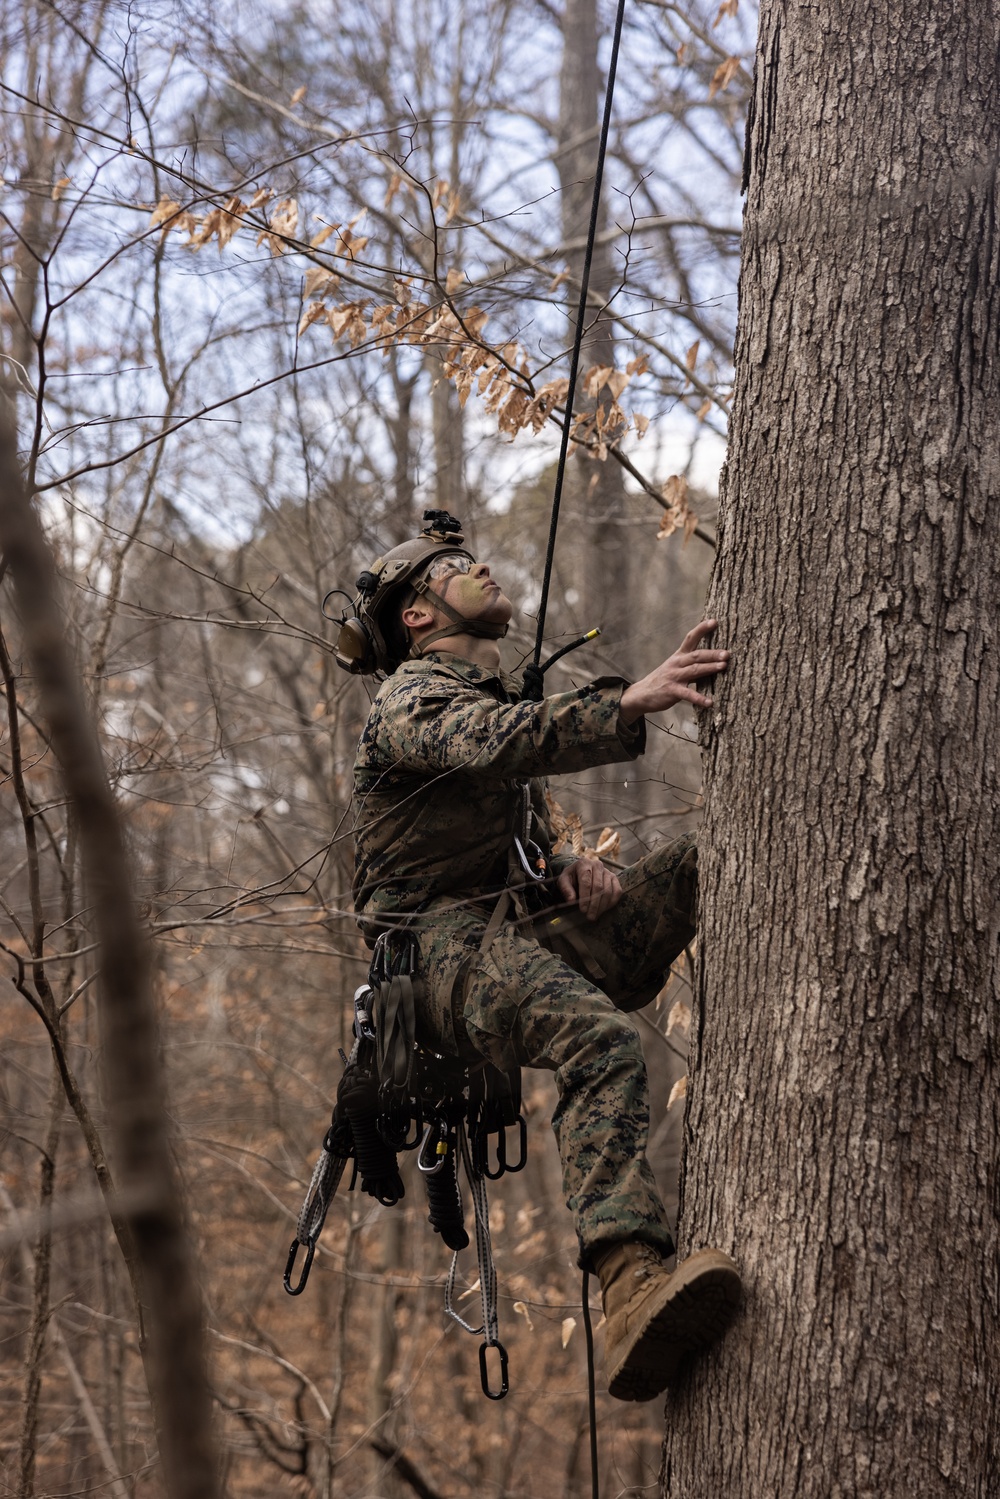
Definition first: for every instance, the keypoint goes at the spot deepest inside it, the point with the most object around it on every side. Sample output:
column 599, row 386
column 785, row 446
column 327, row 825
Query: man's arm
column 671, row 681
column 594, row 888
column 434, row 724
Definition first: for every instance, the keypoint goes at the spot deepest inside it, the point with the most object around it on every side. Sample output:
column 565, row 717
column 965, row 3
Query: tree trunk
column 842, row 1136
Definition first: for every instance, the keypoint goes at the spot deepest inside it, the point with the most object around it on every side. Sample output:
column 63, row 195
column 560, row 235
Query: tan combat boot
column 656, row 1319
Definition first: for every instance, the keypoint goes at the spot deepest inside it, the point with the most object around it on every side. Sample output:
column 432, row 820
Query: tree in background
column 843, row 1128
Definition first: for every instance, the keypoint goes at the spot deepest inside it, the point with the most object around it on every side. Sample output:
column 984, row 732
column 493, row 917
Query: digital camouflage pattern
column 443, row 754
column 440, row 766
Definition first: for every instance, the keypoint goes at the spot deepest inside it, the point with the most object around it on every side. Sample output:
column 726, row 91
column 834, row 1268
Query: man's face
column 468, row 587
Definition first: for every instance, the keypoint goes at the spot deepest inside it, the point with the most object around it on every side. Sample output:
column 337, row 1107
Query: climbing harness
column 396, row 1095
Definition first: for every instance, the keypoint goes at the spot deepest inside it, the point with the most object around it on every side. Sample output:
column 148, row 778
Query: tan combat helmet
column 372, row 638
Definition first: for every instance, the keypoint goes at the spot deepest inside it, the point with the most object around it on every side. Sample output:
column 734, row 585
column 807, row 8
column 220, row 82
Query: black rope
column 591, row 1388
column 578, row 340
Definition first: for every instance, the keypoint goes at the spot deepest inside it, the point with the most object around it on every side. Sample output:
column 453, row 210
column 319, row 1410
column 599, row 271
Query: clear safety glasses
column 444, row 567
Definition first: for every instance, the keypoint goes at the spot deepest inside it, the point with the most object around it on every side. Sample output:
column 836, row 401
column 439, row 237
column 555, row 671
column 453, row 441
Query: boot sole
column 698, row 1304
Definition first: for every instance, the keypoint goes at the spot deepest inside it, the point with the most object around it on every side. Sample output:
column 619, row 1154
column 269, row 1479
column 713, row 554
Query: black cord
column 591, row 1388
column 578, row 340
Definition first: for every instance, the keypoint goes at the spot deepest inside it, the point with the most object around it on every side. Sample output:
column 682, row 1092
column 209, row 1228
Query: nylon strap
column 474, row 627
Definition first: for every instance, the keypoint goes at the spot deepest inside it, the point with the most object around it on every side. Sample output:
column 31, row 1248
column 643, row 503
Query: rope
column 591, row 1389
column 578, row 340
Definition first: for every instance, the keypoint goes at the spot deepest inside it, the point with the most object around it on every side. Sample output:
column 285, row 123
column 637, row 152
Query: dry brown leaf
column 452, row 206
column 350, row 245
column 678, row 1092
column 299, row 94
column 512, row 413
column 727, row 8
column 395, row 183
column 641, row 424
column 172, row 216
column 453, row 280
column 438, row 194
column 164, row 210
column 609, row 845
column 282, row 226
column 704, row 409
column 690, row 358
column 557, row 817
column 58, row 188
column 323, row 235
column 260, row 197
column 381, row 319
column 678, row 512
column 475, row 320
column 566, row 827
column 596, row 377
column 617, row 381
column 558, row 280
column 318, row 278
column 568, row 1327
column 231, row 219
column 492, row 367
column 723, row 76
column 313, row 314
column 682, row 53
column 521, row 1309
column 500, row 385
column 637, row 366
column 464, row 381
column 679, row 1018
column 551, row 395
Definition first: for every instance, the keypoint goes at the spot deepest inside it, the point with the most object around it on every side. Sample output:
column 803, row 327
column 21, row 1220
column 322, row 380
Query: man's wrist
column 630, row 708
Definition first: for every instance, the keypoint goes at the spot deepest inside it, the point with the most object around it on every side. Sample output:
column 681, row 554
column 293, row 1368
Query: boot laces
column 650, row 1262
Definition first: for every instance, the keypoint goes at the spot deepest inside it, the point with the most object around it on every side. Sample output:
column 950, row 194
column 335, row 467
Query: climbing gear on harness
column 371, row 637
column 657, row 1319
column 489, row 1330
column 395, row 1095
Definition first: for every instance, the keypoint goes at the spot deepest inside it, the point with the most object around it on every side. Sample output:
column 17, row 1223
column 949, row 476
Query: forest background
column 274, row 281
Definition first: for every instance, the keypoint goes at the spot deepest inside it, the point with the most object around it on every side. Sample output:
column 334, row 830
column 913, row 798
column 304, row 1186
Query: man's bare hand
column 591, row 886
column 672, row 681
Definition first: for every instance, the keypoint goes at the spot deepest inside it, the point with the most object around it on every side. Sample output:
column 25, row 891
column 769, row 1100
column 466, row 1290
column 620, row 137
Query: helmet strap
column 478, row 628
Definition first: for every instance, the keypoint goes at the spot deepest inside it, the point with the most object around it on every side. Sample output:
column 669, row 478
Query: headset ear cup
column 355, row 649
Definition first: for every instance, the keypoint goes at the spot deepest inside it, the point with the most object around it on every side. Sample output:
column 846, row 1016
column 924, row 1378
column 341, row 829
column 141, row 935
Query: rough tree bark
column 843, row 1113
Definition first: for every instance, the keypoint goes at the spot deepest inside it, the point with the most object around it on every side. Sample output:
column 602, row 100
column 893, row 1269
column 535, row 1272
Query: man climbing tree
column 526, row 959
column 850, row 857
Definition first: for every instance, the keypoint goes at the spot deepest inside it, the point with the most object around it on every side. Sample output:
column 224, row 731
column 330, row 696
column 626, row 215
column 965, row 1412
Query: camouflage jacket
column 438, row 779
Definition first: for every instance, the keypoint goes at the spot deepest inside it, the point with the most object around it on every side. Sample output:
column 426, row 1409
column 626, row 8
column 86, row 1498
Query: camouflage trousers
column 553, row 992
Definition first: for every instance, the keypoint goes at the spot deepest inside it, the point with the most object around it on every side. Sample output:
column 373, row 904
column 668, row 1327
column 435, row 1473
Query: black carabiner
column 495, row 1176
column 522, row 1125
column 484, row 1373
column 306, row 1266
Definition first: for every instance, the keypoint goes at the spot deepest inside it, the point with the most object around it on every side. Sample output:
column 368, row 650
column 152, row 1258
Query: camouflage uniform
column 438, row 785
